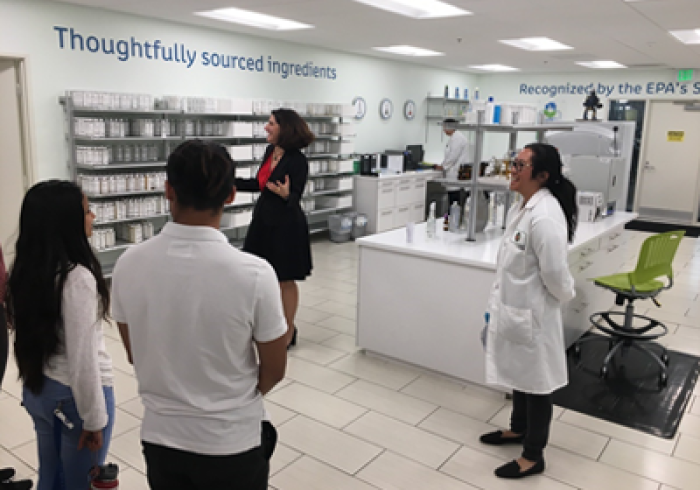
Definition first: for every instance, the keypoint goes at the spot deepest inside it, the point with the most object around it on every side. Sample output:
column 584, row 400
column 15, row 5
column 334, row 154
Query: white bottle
column 431, row 224
column 454, row 216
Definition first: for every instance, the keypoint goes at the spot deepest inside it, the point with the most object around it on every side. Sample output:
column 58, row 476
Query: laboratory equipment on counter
column 598, row 174
column 590, row 206
column 604, row 141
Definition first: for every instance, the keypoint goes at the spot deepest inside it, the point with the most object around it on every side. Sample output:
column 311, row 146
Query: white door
column 12, row 174
column 670, row 164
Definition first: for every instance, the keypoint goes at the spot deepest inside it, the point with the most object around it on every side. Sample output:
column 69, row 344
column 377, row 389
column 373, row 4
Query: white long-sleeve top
column 83, row 363
column 456, row 154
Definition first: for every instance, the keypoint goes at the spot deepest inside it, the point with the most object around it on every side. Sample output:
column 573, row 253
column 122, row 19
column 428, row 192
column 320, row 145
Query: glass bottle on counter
column 430, row 227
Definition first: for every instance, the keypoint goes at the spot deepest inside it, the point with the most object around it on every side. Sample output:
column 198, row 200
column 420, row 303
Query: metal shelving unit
column 124, row 194
column 480, row 130
column 165, row 144
column 131, row 219
column 446, row 105
column 120, row 166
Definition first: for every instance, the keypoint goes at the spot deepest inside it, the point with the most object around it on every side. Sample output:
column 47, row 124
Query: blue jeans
column 76, row 464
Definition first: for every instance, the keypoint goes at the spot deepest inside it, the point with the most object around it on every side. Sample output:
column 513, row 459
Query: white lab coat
column 456, row 154
column 525, row 341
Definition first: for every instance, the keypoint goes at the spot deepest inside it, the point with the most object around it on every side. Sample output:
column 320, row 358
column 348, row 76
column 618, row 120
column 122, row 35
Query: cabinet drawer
column 387, row 196
column 419, row 190
column 402, row 215
column 385, row 220
column 418, row 213
column 582, row 269
column 614, row 239
column 586, row 251
column 404, row 193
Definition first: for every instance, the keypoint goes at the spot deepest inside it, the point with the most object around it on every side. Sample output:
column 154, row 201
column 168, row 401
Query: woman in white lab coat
column 525, row 349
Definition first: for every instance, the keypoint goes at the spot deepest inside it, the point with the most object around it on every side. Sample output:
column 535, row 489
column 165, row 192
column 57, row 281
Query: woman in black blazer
column 278, row 231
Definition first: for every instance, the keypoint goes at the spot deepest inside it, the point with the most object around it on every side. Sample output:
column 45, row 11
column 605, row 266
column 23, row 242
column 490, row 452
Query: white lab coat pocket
column 515, row 324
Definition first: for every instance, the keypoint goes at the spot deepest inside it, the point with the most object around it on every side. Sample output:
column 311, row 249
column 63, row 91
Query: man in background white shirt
column 456, row 154
column 192, row 312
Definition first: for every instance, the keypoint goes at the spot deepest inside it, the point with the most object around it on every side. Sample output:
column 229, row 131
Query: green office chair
column 654, row 262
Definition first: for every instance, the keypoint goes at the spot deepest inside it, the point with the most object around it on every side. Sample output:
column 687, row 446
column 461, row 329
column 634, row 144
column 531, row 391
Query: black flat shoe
column 512, row 470
column 293, row 342
column 496, row 439
column 16, row 485
column 6, row 474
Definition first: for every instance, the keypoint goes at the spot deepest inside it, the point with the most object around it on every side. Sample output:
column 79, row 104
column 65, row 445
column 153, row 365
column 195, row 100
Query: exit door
column 670, row 165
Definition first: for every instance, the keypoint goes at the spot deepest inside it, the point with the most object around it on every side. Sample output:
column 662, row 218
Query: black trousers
column 174, row 469
column 4, row 343
column 532, row 416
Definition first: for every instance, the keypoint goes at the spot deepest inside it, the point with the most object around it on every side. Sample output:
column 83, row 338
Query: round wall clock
column 386, row 109
column 409, row 109
column 360, row 107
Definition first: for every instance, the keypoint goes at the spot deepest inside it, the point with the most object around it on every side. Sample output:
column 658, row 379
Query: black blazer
column 271, row 208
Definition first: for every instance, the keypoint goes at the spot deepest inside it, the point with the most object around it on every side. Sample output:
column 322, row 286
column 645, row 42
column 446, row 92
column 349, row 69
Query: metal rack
column 317, row 218
column 445, row 103
column 480, row 130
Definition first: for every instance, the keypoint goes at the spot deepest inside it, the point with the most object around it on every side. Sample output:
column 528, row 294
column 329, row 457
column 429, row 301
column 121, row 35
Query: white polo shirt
column 194, row 304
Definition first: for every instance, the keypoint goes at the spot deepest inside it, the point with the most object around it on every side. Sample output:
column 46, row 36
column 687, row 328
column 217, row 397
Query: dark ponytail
column 546, row 158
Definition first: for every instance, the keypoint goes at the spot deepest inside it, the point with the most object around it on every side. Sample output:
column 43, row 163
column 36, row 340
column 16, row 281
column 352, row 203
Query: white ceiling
column 632, row 33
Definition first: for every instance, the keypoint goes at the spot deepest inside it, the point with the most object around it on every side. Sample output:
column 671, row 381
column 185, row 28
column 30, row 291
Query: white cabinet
column 402, row 215
column 391, row 201
column 387, row 195
column 599, row 257
column 385, row 219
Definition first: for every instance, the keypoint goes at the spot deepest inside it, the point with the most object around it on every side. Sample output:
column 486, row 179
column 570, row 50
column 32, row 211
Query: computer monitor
column 416, row 154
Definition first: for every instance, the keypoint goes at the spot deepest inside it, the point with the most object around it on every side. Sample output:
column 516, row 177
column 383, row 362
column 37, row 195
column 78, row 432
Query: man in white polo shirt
column 192, row 310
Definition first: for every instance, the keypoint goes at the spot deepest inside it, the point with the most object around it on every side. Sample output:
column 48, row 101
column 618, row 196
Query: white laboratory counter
column 423, row 303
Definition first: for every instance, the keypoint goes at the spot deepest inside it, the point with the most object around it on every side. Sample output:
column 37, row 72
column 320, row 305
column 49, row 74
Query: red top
column 265, row 172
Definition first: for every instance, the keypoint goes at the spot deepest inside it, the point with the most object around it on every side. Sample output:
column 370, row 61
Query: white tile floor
column 348, row 421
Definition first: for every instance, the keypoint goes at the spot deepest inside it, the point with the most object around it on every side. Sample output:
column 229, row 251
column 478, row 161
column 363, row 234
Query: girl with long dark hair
column 56, row 301
column 525, row 349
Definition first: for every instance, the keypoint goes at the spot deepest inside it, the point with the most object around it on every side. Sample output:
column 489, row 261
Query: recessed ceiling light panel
column 409, row 51
column 253, row 19
column 494, row 68
column 537, row 44
column 417, row 9
column 687, row 36
column 601, row 64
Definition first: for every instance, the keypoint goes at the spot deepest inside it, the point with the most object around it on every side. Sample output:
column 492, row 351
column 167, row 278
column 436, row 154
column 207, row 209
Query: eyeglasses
column 518, row 165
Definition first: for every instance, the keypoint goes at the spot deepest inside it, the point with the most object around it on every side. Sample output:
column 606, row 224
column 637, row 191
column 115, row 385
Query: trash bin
column 359, row 226
column 340, row 228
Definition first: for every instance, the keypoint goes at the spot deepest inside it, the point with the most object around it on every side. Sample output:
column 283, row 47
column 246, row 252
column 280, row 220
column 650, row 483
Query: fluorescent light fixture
column 418, row 9
column 688, row 36
column 494, row 68
column 253, row 19
column 600, row 64
column 537, row 44
column 409, row 51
